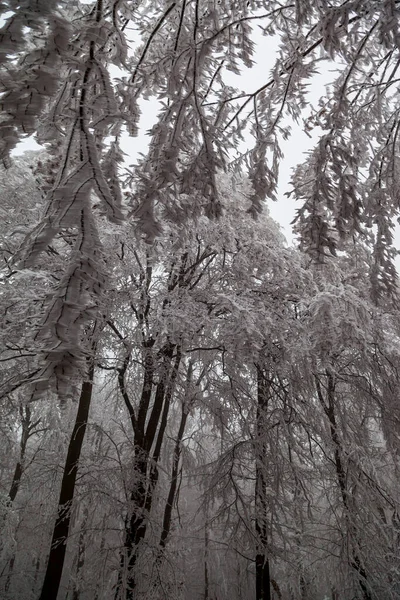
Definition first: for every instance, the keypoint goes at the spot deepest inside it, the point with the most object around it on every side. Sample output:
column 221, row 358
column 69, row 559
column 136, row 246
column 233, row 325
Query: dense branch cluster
column 227, row 404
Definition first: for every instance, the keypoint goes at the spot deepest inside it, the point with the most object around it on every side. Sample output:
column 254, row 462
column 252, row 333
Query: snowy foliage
column 228, row 404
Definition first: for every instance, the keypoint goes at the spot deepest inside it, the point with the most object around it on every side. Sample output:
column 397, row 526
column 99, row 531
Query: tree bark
column 55, row 562
column 166, row 528
column 80, row 556
column 18, row 471
column 328, row 405
column 263, row 579
column 145, row 464
column 27, row 430
column 206, row 552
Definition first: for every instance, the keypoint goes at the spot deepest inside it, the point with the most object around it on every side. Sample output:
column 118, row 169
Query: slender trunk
column 166, row 527
column 263, row 579
column 172, row 494
column 146, row 469
column 27, row 426
column 10, row 572
column 16, row 481
column 39, row 553
column 81, row 556
column 298, row 520
column 206, row 575
column 153, row 476
column 101, row 552
column 135, row 528
column 134, row 522
column 328, row 405
column 36, row 569
column 277, row 589
column 55, row 562
column 303, row 588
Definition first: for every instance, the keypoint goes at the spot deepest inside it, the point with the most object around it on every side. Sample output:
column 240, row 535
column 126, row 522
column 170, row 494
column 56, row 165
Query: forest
column 192, row 408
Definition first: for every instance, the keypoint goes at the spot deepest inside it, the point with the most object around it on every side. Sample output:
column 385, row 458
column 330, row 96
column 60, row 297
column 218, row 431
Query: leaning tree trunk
column 55, row 562
column 263, row 579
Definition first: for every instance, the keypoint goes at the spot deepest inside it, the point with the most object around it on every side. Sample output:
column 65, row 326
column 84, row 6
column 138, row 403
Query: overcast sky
column 294, row 149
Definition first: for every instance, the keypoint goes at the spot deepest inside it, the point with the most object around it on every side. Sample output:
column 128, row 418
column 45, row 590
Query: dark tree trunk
column 263, row 579
column 146, row 470
column 277, row 589
column 166, row 528
column 135, row 521
column 39, row 554
column 10, row 572
column 149, row 424
column 172, row 493
column 328, row 405
column 80, row 557
column 101, row 553
column 206, row 575
column 135, row 528
column 55, row 562
column 167, row 518
column 16, row 481
column 153, row 473
column 27, row 430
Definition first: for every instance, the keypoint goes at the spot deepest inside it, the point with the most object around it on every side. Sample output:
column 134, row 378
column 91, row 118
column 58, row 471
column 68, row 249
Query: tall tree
column 166, row 255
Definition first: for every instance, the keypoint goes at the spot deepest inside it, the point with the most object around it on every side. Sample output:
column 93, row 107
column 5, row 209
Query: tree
column 55, row 562
column 202, row 313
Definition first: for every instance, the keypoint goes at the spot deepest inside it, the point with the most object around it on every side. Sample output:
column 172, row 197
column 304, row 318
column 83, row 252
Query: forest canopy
column 190, row 408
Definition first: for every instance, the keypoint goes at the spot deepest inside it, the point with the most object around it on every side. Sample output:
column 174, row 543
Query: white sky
column 283, row 211
column 249, row 80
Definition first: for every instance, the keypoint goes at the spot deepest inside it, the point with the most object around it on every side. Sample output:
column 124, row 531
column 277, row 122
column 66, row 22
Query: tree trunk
column 206, row 574
column 11, row 564
column 153, row 475
column 101, row 552
column 55, row 562
column 26, row 426
column 263, row 579
column 80, row 557
column 135, row 529
column 145, row 465
column 328, row 405
column 166, row 528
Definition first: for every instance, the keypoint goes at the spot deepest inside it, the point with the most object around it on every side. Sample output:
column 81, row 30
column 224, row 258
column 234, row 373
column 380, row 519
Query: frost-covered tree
column 149, row 293
column 72, row 77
